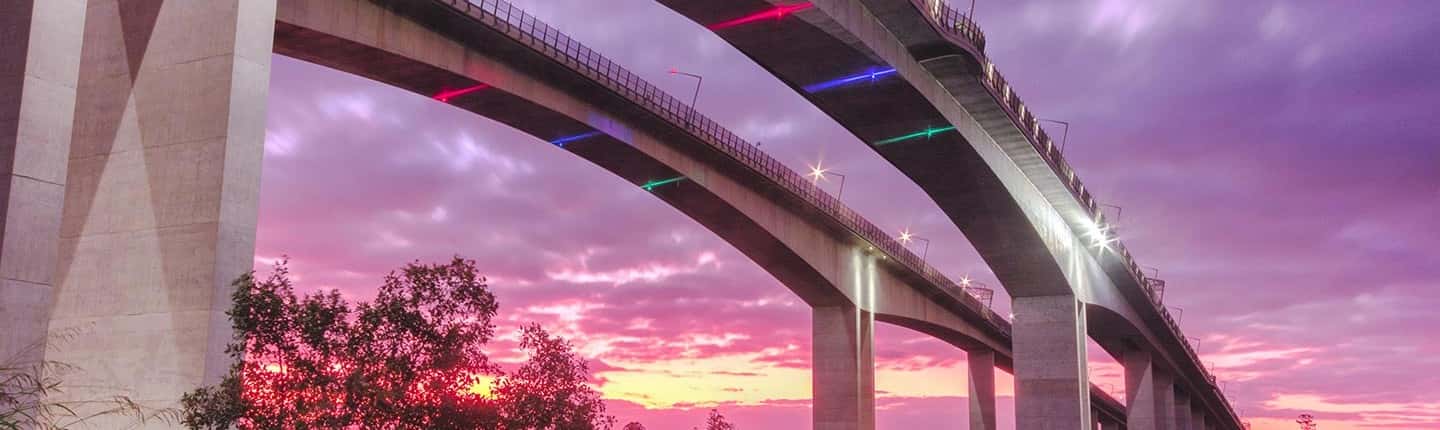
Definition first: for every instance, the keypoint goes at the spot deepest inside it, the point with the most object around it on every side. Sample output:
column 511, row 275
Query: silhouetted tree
column 407, row 360
column 551, row 390
column 717, row 421
column 634, row 426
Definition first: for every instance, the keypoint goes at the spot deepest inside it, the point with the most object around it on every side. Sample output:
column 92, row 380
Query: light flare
column 448, row 95
column 776, row 13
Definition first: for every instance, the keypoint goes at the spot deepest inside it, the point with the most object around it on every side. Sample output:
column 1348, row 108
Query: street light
column 817, row 173
column 1065, row 136
column 693, row 99
column 906, row 237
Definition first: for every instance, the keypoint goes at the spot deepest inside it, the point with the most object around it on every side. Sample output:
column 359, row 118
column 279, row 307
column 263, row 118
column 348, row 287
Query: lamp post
column 906, row 237
column 1064, row 136
column 695, row 98
column 817, row 173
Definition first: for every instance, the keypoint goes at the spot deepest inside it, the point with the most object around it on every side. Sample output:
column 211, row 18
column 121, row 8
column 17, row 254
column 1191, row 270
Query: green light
column 650, row 186
column 926, row 133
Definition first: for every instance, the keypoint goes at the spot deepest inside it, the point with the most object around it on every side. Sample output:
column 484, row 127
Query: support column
column 1182, row 410
column 1148, row 393
column 843, row 368
column 1051, row 384
column 1109, row 425
column 1197, row 415
column 161, row 197
column 39, row 62
column 982, row 388
column 1165, row 399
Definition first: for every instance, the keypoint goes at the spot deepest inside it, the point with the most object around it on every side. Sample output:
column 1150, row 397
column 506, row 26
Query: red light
column 777, row 13
column 447, row 95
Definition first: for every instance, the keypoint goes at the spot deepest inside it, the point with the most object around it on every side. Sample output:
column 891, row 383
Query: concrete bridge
column 888, row 70
column 133, row 132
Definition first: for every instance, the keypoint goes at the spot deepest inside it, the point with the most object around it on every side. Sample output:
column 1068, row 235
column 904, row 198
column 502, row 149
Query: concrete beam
column 982, row 389
column 161, row 192
column 39, row 64
column 1052, row 389
column 843, row 368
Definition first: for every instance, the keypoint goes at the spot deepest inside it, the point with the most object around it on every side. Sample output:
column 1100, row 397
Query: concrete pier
column 843, row 369
column 982, row 389
column 39, row 63
column 1052, row 390
column 1182, row 410
column 161, row 191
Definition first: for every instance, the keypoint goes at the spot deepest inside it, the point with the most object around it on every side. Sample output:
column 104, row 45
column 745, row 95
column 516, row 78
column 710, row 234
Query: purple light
column 567, row 139
column 869, row 76
column 777, row 12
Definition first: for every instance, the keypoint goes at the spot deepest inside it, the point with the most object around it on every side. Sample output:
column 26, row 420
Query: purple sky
column 1277, row 161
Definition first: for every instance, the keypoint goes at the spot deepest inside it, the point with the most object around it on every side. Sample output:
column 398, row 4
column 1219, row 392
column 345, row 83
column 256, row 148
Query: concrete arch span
column 417, row 48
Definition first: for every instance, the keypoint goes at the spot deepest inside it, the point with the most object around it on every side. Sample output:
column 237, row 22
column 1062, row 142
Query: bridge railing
column 954, row 21
column 546, row 40
column 960, row 25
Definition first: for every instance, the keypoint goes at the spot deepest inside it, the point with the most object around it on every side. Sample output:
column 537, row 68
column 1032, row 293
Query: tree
column 634, row 426
column 411, row 359
column 551, row 390
column 717, row 421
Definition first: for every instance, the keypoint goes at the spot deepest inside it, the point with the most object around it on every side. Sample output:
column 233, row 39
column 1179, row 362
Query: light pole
column 817, row 173
column 695, row 98
column 1064, row 136
column 906, row 237
column 971, row 15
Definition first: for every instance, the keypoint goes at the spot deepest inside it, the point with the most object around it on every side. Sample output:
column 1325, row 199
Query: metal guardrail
column 960, row 25
column 540, row 37
column 954, row 21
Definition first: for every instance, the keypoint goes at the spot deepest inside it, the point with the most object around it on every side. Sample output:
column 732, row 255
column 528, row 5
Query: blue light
column 567, row 139
column 869, row 76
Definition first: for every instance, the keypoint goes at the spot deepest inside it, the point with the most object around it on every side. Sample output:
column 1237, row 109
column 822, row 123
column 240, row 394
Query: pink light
column 777, row 13
column 447, row 95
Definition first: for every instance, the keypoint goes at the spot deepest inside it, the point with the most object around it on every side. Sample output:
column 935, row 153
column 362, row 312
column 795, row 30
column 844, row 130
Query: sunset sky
column 1277, row 162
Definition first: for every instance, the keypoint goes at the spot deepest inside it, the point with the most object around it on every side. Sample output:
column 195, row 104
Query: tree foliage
column 717, row 421
column 551, row 390
column 410, row 359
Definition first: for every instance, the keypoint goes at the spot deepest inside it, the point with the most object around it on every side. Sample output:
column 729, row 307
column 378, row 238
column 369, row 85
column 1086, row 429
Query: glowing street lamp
column 818, row 173
column 693, row 99
column 1099, row 235
column 906, row 237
